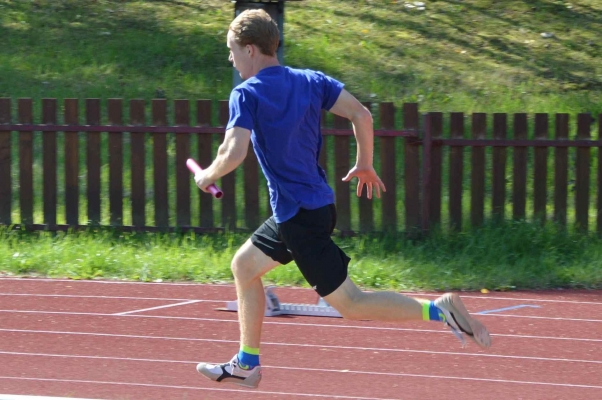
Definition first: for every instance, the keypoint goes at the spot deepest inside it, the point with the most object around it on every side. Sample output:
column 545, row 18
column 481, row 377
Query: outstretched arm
column 230, row 155
column 349, row 107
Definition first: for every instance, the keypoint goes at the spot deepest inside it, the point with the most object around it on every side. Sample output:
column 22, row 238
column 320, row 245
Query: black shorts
column 305, row 238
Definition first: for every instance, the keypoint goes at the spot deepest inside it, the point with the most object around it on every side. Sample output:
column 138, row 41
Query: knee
column 241, row 270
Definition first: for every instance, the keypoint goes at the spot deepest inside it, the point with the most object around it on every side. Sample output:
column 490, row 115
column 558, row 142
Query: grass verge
column 515, row 255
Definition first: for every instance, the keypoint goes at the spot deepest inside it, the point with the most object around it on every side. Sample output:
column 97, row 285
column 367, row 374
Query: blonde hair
column 256, row 27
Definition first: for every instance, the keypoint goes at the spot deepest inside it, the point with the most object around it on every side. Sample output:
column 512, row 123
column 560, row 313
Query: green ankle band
column 425, row 312
column 249, row 350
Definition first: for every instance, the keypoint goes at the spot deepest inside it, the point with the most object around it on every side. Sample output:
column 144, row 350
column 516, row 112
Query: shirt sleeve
column 331, row 89
column 240, row 106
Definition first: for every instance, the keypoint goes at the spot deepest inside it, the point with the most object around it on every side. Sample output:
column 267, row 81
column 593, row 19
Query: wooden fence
column 410, row 161
column 581, row 180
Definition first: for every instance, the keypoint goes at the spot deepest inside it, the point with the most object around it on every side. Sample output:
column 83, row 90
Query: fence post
column 138, row 164
column 427, row 144
column 499, row 167
column 561, row 170
column 5, row 164
column 26, row 163
column 582, row 171
column 540, row 172
column 519, row 181
column 160, row 165
column 412, row 168
column 456, row 172
column 93, row 161
column 116, row 163
column 477, row 177
column 182, row 118
column 49, row 117
column 71, row 163
column 388, row 167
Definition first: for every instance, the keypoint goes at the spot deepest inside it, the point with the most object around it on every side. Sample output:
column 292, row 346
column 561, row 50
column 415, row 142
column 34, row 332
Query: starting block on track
column 274, row 307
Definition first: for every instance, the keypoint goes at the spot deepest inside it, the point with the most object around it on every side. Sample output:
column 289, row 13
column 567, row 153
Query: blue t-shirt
column 282, row 107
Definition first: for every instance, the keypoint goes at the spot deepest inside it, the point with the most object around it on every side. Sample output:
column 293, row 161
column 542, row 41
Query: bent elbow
column 362, row 116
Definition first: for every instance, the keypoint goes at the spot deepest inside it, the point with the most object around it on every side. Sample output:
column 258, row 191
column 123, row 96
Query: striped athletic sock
column 431, row 313
column 248, row 357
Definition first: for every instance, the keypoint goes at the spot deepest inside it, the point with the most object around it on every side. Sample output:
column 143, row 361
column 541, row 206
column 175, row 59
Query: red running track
column 119, row 340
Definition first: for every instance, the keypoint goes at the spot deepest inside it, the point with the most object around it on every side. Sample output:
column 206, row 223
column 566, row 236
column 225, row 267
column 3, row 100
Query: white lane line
column 75, row 296
column 322, row 371
column 107, row 282
column 318, row 346
column 227, row 285
column 296, row 324
column 329, row 396
column 267, row 322
column 157, row 308
column 548, row 318
column 20, row 397
column 368, row 327
column 506, row 309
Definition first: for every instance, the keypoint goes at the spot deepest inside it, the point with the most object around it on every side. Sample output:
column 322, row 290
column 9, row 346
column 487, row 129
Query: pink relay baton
column 195, row 168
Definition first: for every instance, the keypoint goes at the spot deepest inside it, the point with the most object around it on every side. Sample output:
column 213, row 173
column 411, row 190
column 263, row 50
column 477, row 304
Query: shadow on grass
column 81, row 51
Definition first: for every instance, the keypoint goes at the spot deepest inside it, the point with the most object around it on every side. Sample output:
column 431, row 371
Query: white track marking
column 536, row 317
column 158, row 307
column 497, row 310
column 317, row 370
column 75, row 296
column 19, row 397
column 329, row 396
column 193, row 284
column 379, row 328
column 318, row 346
column 296, row 324
column 189, row 284
column 284, row 323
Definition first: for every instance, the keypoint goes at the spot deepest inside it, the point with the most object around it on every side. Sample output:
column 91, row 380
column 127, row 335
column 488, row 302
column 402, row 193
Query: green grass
column 470, row 56
column 478, row 55
column 514, row 255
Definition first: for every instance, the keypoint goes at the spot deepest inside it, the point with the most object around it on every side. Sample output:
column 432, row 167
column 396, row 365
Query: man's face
column 240, row 57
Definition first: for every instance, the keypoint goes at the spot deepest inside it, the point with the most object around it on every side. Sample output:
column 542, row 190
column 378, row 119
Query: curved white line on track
column 315, row 346
column 313, row 370
column 228, row 285
column 189, row 388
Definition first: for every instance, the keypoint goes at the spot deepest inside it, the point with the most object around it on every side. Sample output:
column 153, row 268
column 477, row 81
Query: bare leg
column 353, row 303
column 248, row 266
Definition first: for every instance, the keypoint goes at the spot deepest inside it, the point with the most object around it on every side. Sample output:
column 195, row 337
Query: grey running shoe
column 231, row 372
column 460, row 321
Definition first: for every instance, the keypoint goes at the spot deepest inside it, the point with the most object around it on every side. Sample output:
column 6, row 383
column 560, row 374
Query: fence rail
column 143, row 178
column 163, row 139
